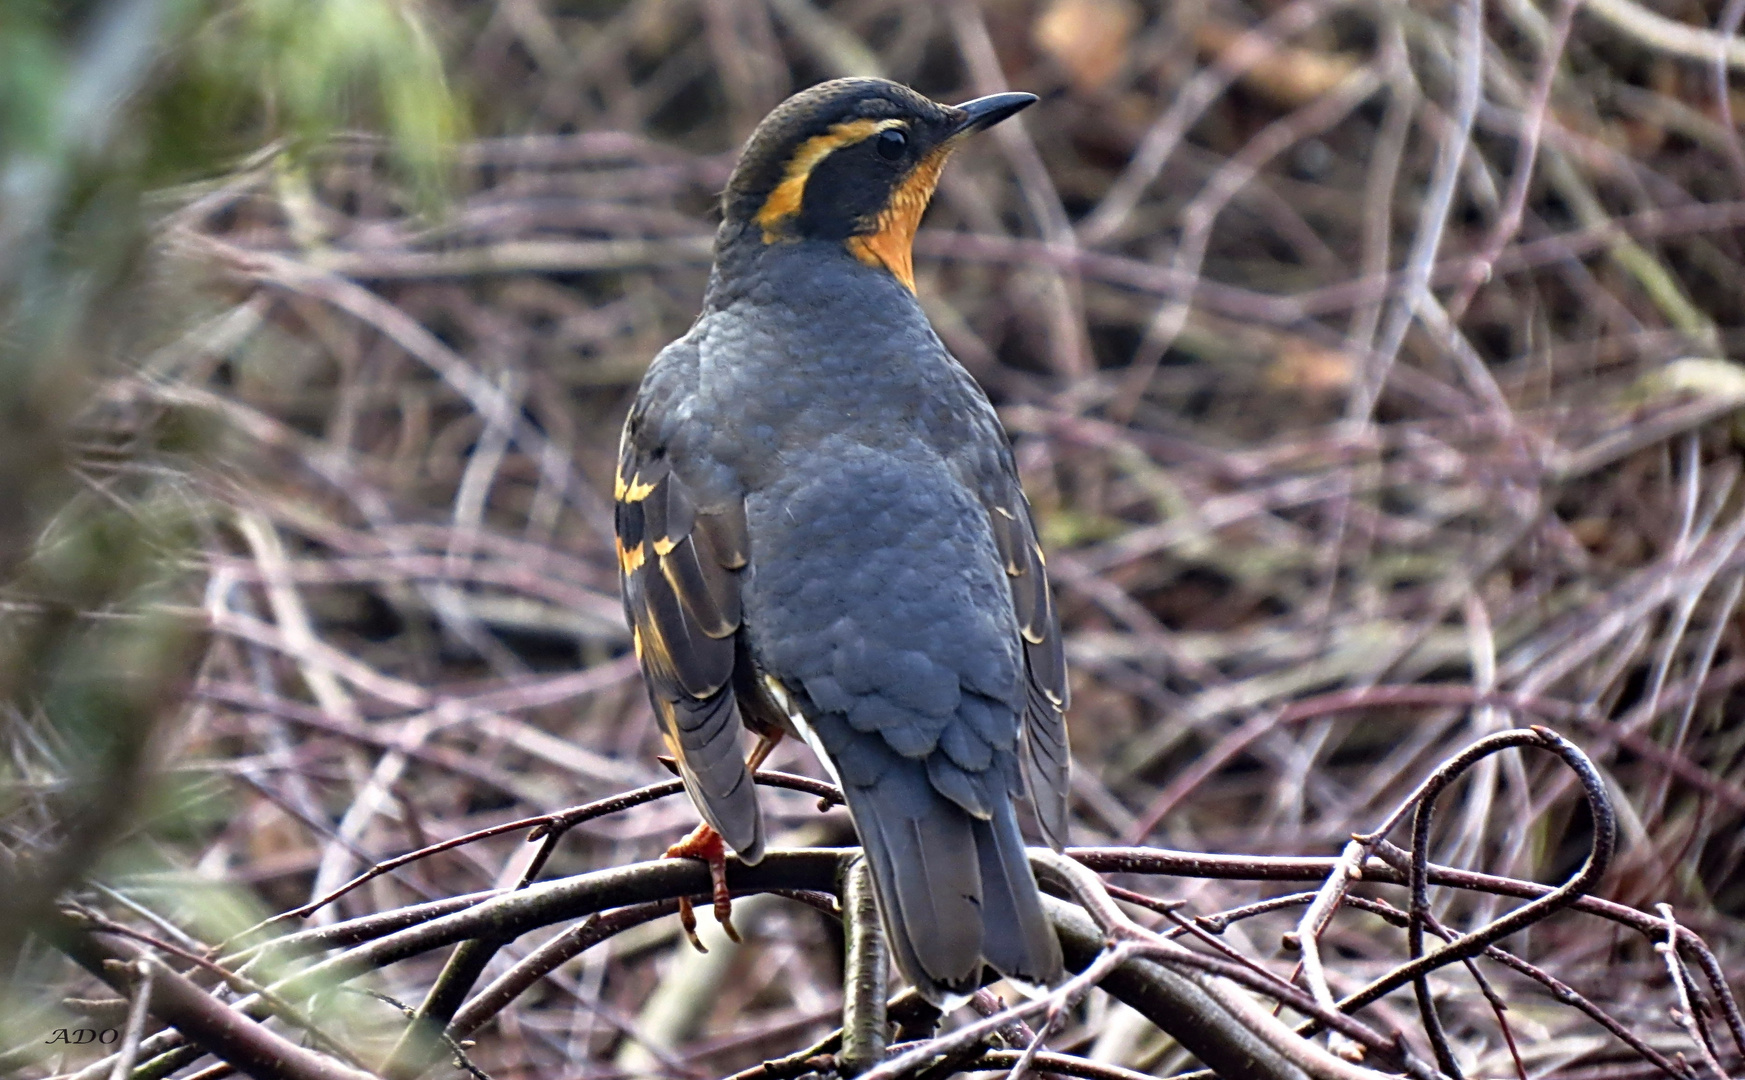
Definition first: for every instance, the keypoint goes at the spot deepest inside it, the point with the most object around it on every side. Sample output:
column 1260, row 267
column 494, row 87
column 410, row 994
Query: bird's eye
column 891, row 144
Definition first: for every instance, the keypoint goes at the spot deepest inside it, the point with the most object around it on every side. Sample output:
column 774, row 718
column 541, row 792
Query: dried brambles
column 1355, row 441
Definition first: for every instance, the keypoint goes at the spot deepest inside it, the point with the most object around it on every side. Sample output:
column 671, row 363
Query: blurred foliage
column 262, row 69
column 99, row 102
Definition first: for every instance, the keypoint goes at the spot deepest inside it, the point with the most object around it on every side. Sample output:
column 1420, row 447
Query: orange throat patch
column 892, row 242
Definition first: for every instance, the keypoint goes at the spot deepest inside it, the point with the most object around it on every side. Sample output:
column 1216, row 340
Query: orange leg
column 761, row 752
column 706, row 844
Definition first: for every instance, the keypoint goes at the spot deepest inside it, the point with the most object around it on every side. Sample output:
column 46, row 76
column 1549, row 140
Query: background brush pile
column 1371, row 367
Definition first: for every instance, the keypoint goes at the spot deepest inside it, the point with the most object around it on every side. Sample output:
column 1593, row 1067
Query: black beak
column 985, row 112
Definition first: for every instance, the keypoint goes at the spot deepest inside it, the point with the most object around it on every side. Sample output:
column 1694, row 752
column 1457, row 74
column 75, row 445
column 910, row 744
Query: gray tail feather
column 1016, row 936
column 954, row 890
column 922, row 854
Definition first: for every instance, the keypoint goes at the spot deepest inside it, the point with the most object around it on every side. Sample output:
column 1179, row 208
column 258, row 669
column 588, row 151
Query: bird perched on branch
column 821, row 530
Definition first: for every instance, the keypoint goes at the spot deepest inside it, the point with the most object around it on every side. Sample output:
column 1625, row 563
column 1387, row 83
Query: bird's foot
column 706, row 844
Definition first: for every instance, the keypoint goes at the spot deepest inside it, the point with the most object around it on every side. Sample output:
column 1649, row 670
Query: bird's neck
column 751, row 269
column 809, row 315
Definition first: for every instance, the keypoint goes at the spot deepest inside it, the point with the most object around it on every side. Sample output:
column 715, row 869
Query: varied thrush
column 821, row 530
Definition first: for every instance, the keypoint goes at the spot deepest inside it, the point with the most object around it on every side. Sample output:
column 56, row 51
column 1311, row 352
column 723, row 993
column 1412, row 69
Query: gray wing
column 1045, row 754
column 680, row 573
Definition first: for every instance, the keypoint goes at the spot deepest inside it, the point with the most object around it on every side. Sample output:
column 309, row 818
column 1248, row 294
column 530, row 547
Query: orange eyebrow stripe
column 784, row 201
column 892, row 244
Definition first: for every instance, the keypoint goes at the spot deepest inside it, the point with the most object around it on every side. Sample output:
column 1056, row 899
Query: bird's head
column 853, row 161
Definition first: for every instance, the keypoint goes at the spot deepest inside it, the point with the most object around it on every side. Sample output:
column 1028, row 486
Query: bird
column 821, row 531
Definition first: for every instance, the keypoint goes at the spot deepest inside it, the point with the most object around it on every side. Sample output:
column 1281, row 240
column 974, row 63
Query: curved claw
column 706, row 844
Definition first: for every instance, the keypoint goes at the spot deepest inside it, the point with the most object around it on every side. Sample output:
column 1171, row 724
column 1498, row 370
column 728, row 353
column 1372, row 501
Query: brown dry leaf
column 1310, row 368
column 1286, row 75
column 1089, row 38
column 274, row 834
column 1591, row 532
column 1642, row 137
